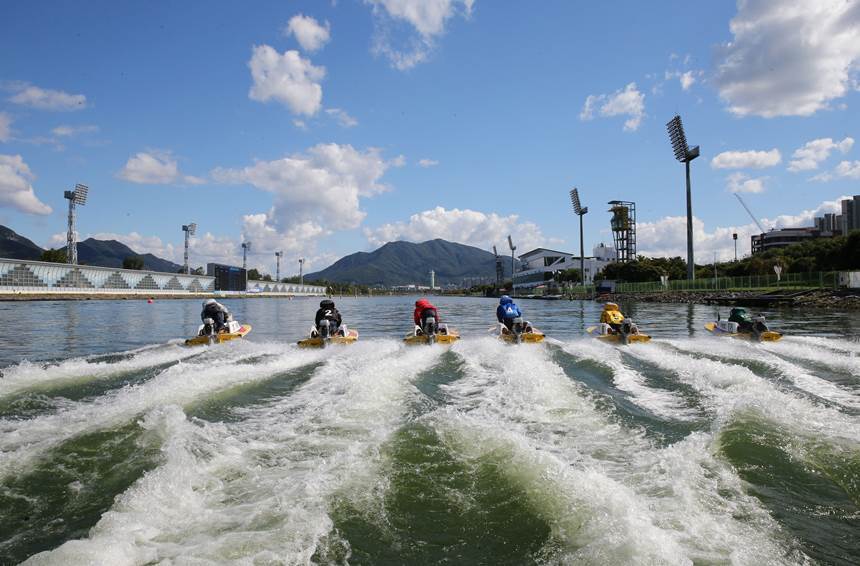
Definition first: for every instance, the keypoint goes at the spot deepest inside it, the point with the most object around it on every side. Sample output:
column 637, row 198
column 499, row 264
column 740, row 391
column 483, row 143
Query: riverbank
column 139, row 296
column 843, row 299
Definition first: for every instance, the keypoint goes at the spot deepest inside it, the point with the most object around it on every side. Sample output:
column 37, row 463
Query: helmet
column 610, row 307
column 739, row 310
column 208, row 302
column 326, row 303
column 504, row 300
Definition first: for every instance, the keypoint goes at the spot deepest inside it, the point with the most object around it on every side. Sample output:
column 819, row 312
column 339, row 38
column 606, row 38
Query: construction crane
column 757, row 223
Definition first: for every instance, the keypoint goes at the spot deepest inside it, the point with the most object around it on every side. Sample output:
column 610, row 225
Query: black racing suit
column 330, row 314
column 218, row 313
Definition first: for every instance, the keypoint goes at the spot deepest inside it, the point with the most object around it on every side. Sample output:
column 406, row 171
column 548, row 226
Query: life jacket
column 611, row 317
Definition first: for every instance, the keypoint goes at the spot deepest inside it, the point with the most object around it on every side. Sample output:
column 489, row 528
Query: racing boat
column 327, row 335
column 432, row 333
column 520, row 332
column 206, row 333
column 629, row 333
column 760, row 332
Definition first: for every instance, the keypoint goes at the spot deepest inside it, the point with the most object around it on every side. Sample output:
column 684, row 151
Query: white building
column 539, row 267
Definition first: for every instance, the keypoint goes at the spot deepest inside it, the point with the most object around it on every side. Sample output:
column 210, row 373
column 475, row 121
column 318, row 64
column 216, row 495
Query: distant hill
column 15, row 246
column 103, row 253
column 404, row 263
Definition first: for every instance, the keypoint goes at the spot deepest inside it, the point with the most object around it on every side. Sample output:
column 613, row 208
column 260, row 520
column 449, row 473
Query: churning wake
column 674, row 452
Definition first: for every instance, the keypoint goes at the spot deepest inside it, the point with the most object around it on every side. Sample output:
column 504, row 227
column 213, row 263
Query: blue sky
column 324, row 128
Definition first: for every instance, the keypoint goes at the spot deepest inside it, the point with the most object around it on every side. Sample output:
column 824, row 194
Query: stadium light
column 190, row 230
column 246, row 247
column 301, row 272
column 580, row 211
column 278, row 256
column 685, row 154
column 75, row 197
column 513, row 249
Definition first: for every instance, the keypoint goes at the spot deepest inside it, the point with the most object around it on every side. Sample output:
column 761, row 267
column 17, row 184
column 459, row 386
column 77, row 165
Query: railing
column 39, row 277
column 815, row 280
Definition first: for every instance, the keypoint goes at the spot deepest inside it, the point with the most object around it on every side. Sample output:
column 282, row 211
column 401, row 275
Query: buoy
column 149, row 301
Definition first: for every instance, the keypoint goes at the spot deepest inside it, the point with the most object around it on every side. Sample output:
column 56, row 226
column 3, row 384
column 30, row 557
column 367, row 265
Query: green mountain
column 15, row 246
column 103, row 253
column 404, row 263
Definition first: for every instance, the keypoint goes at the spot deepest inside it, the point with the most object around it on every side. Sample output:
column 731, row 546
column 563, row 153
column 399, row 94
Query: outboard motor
column 429, row 326
column 208, row 327
column 325, row 329
column 628, row 327
column 517, row 328
column 758, row 326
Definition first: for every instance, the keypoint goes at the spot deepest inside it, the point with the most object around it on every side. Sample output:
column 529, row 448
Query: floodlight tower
column 190, row 230
column 76, row 197
column 684, row 154
column 579, row 211
column 623, row 224
column 278, row 256
column 513, row 249
column 500, row 272
column 246, row 247
column 301, row 271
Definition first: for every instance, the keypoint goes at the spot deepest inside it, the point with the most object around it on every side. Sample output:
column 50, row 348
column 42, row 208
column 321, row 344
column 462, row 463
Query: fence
column 39, row 277
column 815, row 280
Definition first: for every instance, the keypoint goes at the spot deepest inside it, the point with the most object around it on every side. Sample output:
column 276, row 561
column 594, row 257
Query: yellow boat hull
column 525, row 338
column 616, row 338
column 766, row 336
column 219, row 338
column 413, row 340
column 318, row 342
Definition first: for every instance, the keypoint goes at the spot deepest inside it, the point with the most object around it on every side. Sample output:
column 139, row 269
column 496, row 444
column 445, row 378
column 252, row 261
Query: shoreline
column 14, row 297
column 843, row 299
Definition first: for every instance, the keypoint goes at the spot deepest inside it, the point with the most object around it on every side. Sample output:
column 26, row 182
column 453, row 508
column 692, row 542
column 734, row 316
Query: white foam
column 183, row 383
column 32, row 376
column 258, row 490
column 736, row 350
column 845, row 361
column 661, row 403
column 609, row 494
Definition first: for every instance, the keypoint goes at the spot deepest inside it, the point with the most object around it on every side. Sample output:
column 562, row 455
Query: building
column 827, row 226
column 540, row 266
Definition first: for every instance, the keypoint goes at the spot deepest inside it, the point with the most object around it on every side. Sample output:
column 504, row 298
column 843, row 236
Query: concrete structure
column 19, row 277
column 539, row 266
column 850, row 215
column 826, row 226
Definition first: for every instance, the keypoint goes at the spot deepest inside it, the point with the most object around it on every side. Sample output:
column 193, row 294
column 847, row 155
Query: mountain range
column 404, row 263
column 103, row 253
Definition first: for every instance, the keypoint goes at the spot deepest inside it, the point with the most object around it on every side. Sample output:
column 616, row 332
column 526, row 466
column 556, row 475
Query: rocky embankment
column 823, row 298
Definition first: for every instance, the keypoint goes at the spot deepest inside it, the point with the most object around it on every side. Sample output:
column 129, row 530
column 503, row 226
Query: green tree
column 52, row 255
column 254, row 275
column 133, row 262
column 569, row 276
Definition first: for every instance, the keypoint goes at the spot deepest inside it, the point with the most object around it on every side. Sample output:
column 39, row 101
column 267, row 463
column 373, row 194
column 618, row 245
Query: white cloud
column 427, row 17
column 155, row 168
column 746, row 159
column 300, row 124
column 308, row 32
column 687, row 79
column 789, row 58
column 398, row 161
column 814, row 152
column 850, row 169
column 428, row 162
column 628, row 101
column 667, row 237
column 71, row 131
column 15, row 188
column 5, row 127
column 342, row 117
column 465, row 226
column 741, row 183
column 288, row 78
column 46, row 99
column 315, row 193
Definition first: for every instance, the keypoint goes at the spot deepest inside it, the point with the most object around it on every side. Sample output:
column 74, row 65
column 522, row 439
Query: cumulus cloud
column 427, row 162
column 466, row 226
column 5, row 127
column 746, row 159
column 814, row 152
column 342, row 117
column 308, row 32
column 667, row 237
column 65, row 131
column 741, row 183
column 427, row 17
column 155, row 168
column 289, row 79
column 16, row 190
column 315, row 192
column 850, row 169
column 789, row 58
column 624, row 102
column 686, row 78
column 45, row 99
